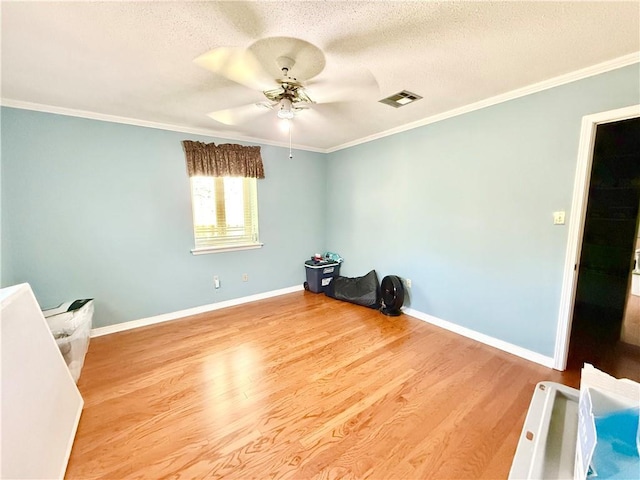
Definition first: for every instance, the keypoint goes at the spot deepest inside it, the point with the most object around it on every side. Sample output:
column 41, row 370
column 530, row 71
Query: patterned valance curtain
column 226, row 160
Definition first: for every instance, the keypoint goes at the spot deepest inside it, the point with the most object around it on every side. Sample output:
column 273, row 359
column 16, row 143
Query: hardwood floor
column 594, row 341
column 300, row 386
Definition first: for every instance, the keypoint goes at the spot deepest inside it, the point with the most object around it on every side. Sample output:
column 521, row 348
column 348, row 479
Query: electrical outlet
column 216, row 282
column 558, row 218
column 245, row 277
column 408, row 282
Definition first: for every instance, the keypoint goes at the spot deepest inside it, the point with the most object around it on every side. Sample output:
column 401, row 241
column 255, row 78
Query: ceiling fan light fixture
column 285, row 111
column 285, row 114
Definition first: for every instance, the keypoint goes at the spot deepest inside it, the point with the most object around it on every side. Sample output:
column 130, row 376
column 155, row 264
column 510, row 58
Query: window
column 225, row 213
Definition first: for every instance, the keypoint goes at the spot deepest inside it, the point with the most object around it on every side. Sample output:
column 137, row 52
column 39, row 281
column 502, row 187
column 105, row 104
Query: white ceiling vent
column 401, row 99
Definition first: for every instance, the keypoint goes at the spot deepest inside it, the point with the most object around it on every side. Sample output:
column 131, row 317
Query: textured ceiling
column 135, row 59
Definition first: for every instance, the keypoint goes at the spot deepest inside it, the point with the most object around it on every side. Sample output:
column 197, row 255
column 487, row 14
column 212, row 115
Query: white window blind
column 225, row 212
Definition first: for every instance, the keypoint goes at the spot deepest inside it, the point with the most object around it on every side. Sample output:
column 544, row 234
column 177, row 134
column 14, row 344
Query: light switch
column 558, row 218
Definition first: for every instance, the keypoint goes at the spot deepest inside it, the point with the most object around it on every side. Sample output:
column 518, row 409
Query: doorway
column 601, row 239
column 631, row 322
column 608, row 245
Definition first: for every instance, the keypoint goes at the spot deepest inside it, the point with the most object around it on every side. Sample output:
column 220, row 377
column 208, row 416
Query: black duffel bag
column 363, row 291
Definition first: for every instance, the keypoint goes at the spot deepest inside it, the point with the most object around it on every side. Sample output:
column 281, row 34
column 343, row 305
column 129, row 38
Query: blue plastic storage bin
column 320, row 275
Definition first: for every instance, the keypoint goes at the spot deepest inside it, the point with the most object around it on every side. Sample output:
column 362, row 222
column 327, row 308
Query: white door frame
column 576, row 224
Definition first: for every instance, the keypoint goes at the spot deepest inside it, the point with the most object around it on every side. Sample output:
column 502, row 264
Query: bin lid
column 66, row 307
column 322, row 264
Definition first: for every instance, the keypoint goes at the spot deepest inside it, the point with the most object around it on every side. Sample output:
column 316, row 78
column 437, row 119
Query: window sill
column 232, row 248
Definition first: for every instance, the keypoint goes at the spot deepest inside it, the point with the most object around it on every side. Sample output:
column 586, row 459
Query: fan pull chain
column 290, row 152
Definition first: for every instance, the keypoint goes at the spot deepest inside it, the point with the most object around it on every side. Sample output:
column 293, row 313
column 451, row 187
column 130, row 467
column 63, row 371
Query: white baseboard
column 465, row 332
column 482, row 338
column 143, row 322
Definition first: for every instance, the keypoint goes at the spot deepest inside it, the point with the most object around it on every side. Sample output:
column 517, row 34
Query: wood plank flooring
column 300, row 386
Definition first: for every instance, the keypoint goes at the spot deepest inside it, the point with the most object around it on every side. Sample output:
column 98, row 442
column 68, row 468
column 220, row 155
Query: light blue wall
column 102, row 210
column 463, row 208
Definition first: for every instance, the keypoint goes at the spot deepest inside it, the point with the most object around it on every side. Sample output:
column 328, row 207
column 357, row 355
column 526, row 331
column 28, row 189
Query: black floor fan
column 392, row 291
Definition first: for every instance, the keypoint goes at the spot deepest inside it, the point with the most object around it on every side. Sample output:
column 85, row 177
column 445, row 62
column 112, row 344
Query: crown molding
column 71, row 112
column 597, row 69
column 593, row 70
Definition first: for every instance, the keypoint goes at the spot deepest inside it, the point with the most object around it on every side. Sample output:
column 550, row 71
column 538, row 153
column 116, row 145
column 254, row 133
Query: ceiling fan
column 290, row 64
column 290, row 96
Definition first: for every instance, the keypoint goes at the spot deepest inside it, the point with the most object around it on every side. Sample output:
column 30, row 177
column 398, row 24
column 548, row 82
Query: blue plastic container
column 320, row 275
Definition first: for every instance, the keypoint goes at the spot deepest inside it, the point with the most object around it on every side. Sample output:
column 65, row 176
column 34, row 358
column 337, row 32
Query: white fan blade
column 243, row 16
column 236, row 64
column 239, row 115
column 353, row 85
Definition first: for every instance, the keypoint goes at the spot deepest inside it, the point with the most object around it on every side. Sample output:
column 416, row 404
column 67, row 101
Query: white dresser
column 41, row 404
